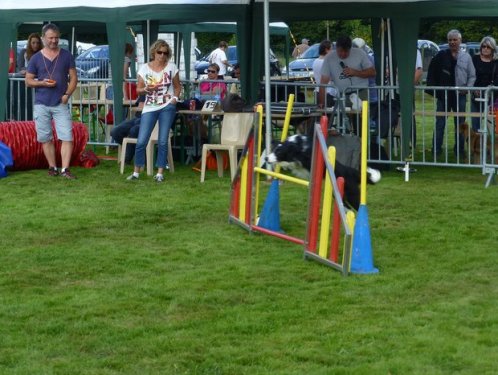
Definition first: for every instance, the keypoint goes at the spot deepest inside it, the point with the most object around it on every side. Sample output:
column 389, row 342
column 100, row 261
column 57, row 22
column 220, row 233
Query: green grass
column 106, row 276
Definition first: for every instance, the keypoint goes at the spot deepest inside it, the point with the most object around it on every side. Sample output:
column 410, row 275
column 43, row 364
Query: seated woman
column 213, row 88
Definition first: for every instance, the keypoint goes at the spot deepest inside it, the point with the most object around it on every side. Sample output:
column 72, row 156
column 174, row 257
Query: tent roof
column 34, row 4
column 342, row 1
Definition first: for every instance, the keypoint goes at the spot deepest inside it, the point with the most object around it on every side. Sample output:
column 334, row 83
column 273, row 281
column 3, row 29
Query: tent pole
column 266, row 23
column 382, row 55
column 390, row 56
column 148, row 42
column 72, row 40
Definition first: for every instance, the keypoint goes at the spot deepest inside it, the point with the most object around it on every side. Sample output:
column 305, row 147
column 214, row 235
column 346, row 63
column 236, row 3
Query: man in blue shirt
column 52, row 73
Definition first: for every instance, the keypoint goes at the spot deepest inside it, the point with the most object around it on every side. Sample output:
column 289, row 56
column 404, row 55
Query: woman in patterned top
column 159, row 81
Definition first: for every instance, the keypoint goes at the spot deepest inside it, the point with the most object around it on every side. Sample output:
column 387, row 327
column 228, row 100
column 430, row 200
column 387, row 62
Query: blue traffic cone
column 361, row 257
column 270, row 214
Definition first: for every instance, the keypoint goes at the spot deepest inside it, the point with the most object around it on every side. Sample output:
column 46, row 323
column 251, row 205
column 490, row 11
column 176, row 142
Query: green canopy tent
column 116, row 16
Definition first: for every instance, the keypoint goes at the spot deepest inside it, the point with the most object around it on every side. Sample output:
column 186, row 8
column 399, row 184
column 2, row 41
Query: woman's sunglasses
column 162, row 52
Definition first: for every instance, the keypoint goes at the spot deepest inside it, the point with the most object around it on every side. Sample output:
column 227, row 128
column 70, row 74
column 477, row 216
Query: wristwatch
column 68, row 95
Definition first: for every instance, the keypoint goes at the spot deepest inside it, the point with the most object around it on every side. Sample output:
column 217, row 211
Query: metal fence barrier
column 459, row 122
column 92, row 103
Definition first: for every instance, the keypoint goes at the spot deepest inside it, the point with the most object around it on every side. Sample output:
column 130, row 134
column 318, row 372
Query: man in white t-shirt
column 219, row 57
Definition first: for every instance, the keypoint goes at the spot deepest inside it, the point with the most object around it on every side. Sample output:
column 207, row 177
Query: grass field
column 106, row 276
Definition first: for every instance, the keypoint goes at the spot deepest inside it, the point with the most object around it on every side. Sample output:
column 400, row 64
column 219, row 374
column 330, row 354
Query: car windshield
column 99, row 52
column 232, row 54
column 311, row 53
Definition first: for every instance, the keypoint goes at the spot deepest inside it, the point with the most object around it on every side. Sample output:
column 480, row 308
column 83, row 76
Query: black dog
column 295, row 155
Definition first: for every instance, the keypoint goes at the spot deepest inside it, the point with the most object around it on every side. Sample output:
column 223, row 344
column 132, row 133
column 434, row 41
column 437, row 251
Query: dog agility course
column 327, row 218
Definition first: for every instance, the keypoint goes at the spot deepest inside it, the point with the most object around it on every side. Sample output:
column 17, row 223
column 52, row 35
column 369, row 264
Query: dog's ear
column 464, row 129
column 275, row 143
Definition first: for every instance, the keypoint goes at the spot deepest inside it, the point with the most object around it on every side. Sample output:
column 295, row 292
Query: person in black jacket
column 451, row 67
column 485, row 64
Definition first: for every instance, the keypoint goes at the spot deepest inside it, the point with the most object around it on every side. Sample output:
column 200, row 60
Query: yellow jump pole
column 364, row 138
column 361, row 254
column 288, row 113
column 285, row 129
column 258, row 163
column 327, row 208
column 350, row 220
column 282, row 176
column 243, row 190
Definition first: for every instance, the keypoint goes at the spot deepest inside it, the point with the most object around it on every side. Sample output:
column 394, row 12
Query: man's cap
column 358, row 43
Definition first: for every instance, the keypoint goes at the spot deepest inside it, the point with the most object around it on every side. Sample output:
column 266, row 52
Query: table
column 197, row 146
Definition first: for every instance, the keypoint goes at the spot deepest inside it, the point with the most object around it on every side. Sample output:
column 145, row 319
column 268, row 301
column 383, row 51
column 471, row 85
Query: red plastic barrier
column 131, row 91
column 27, row 152
column 12, row 61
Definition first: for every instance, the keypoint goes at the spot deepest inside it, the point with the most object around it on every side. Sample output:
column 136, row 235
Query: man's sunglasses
column 212, row 71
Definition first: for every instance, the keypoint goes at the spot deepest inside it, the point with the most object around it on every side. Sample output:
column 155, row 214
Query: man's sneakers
column 159, row 178
column 66, row 173
column 132, row 177
column 53, row 172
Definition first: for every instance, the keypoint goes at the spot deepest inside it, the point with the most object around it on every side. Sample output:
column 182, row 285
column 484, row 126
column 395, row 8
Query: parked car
column 303, row 66
column 443, row 46
column 473, row 48
column 202, row 64
column 94, row 63
column 428, row 49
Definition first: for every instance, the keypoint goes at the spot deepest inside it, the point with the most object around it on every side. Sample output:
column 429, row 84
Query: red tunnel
column 27, row 153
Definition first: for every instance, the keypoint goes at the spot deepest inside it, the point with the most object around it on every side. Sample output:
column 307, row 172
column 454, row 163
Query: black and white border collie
column 295, row 155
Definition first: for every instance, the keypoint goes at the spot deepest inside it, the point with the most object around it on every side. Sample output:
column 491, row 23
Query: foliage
column 208, row 42
column 472, row 30
column 317, row 31
column 105, row 276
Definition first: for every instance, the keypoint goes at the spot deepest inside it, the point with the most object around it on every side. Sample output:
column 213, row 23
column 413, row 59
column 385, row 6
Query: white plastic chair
column 234, row 130
column 149, row 151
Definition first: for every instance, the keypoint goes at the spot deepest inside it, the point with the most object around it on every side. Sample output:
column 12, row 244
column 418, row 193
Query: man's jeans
column 165, row 117
column 449, row 105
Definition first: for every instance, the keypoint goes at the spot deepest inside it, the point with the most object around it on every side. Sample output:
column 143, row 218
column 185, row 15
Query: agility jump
column 326, row 214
